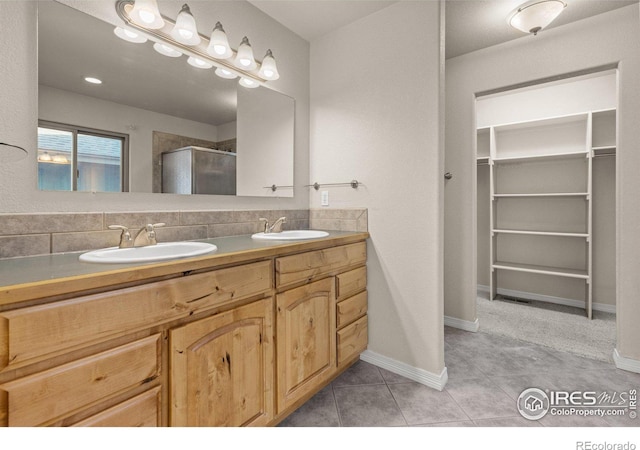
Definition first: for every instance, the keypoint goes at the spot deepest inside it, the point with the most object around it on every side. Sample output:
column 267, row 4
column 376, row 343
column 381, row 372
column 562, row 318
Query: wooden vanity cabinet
column 321, row 326
column 222, row 369
column 241, row 345
column 306, row 324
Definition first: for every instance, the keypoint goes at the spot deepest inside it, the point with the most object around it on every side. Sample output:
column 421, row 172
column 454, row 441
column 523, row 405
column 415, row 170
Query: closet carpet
column 558, row 327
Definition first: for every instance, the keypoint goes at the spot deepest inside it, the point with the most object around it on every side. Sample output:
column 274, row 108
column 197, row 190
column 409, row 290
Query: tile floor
column 486, row 375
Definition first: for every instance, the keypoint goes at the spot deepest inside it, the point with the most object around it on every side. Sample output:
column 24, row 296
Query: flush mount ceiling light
column 533, row 16
column 181, row 37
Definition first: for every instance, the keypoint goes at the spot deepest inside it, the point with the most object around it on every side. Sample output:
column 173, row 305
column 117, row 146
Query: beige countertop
column 33, row 277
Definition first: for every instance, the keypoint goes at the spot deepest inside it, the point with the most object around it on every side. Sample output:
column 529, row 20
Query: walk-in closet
column 546, row 193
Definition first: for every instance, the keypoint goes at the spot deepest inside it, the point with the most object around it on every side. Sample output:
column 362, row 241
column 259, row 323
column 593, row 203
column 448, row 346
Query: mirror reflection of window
column 76, row 159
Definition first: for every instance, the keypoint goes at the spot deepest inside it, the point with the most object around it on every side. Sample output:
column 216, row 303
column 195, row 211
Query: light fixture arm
column 163, row 35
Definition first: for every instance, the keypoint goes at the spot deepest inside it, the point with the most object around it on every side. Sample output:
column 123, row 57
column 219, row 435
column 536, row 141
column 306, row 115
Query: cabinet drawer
column 352, row 340
column 141, row 411
column 32, row 333
column 43, row 397
column 308, row 266
column 350, row 283
column 350, row 309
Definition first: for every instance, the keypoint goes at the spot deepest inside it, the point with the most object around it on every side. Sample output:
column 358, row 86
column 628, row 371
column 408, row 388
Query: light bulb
column 219, row 44
column 199, row 63
column 268, row 69
column 130, row 36
column 244, row 58
column 224, row 73
column 146, row 14
column 166, row 50
column 185, row 30
column 248, row 83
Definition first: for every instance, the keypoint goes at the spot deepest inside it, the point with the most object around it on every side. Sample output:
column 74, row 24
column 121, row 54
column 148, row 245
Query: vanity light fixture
column 182, row 38
column 185, row 30
column 129, row 35
column 268, row 69
column 199, row 63
column 244, row 58
column 219, row 44
column 166, row 50
column 534, row 15
column 224, row 73
column 248, row 83
column 146, row 14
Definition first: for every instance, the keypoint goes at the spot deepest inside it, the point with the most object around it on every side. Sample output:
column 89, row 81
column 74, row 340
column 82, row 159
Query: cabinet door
column 222, row 369
column 305, row 330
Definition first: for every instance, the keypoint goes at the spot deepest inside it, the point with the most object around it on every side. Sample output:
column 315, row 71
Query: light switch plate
column 324, row 198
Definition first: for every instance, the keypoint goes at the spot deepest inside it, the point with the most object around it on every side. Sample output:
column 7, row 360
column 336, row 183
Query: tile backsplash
column 44, row 233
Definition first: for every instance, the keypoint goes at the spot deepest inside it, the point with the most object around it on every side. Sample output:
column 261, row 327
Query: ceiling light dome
column 535, row 15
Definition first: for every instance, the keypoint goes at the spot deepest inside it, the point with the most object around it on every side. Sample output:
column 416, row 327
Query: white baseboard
column 465, row 325
column 413, row 373
column 631, row 365
column 550, row 299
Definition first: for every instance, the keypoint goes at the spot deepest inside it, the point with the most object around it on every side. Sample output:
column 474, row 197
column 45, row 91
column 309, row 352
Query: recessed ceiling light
column 92, row 80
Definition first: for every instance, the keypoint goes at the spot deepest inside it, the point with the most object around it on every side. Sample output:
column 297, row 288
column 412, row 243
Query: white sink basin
column 158, row 252
column 291, row 235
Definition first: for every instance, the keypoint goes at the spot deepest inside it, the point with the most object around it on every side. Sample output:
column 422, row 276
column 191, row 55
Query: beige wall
column 375, row 118
column 605, row 39
column 19, row 93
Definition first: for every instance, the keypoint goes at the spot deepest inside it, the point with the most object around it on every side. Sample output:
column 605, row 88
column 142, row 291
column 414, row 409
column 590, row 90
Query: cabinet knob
column 448, row 176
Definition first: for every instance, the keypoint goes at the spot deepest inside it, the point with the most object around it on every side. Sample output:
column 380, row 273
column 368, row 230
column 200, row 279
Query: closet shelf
column 542, row 233
column 543, row 270
column 544, row 194
column 539, row 157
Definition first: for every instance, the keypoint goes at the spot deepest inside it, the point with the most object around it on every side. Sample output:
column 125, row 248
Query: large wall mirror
column 155, row 123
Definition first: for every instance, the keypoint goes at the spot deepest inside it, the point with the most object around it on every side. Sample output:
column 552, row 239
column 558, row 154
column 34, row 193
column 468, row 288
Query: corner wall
column 609, row 38
column 375, row 117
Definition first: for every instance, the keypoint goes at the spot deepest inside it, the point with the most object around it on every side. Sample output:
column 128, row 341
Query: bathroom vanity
column 239, row 337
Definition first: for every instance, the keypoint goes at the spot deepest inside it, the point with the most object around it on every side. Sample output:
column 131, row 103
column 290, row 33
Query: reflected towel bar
column 353, row 183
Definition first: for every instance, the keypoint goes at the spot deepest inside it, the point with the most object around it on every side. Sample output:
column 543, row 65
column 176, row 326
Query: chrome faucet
column 275, row 228
column 144, row 237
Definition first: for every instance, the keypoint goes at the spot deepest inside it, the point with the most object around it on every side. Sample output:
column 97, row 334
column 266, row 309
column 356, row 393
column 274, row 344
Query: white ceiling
column 473, row 25
column 470, row 24
column 311, row 19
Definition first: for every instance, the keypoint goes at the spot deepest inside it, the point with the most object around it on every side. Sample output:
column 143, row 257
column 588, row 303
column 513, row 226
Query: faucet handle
column 266, row 224
column 156, row 225
column 125, row 237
